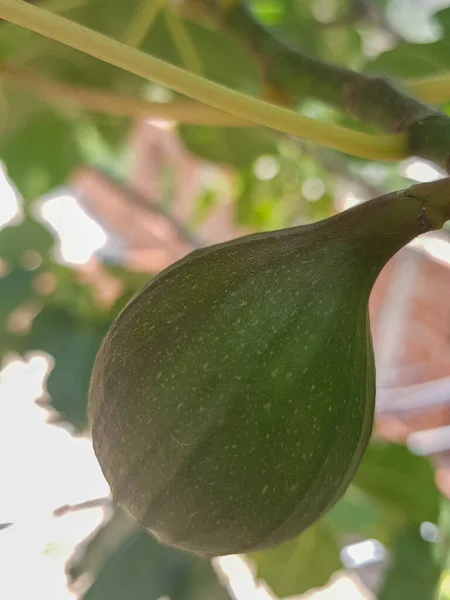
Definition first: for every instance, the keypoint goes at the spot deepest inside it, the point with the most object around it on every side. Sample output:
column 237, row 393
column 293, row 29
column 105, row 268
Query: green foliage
column 322, row 29
column 16, row 288
column 73, row 343
column 356, row 513
column 16, row 241
column 409, row 60
column 412, row 574
column 130, row 563
column 220, row 58
column 301, row 564
column 141, row 569
column 237, row 147
column 399, row 481
column 41, row 154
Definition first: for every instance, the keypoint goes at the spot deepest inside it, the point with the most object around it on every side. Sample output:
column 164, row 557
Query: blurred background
column 93, row 204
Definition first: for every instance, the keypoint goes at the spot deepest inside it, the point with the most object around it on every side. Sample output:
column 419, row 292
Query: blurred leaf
column 15, row 289
column 73, row 342
column 305, row 562
column 354, row 513
column 408, row 60
column 441, row 550
column 40, row 155
column 413, row 575
column 222, row 58
column 13, row 39
column 292, row 21
column 136, row 566
column 234, row 146
column 141, row 569
column 28, row 235
column 203, row 583
column 96, row 551
column 398, row 480
column 321, row 29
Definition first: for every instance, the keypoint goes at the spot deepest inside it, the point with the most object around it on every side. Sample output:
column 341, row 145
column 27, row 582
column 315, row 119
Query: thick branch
column 372, row 100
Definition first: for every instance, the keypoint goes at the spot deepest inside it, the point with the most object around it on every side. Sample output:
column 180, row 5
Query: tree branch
column 180, row 112
column 420, row 129
column 109, row 103
column 376, row 147
column 68, row 508
column 372, row 100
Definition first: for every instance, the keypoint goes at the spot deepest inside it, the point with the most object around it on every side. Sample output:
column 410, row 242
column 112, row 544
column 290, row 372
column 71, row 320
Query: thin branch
column 432, row 89
column 339, row 166
column 118, row 105
column 140, row 201
column 383, row 147
column 68, row 508
column 181, row 112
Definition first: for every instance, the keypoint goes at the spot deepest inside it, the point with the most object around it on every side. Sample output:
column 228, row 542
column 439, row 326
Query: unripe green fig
column 232, row 400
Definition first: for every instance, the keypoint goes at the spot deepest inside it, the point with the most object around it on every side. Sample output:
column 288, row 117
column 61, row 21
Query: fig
column 232, row 399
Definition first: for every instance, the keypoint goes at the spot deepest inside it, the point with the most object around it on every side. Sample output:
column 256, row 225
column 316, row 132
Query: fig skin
column 232, row 400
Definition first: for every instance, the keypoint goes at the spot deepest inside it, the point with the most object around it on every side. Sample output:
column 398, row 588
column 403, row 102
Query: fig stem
column 436, row 198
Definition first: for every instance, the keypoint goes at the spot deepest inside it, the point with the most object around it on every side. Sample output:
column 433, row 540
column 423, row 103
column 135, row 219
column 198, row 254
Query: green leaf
column 408, row 60
column 221, row 57
column 132, row 564
column 141, row 569
column 73, row 342
column 400, row 481
column 41, row 155
column 301, row 564
column 203, row 583
column 97, row 550
column 412, row 575
column 321, row 29
column 15, row 289
column 15, row 240
column 355, row 513
column 234, row 146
